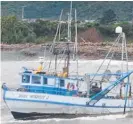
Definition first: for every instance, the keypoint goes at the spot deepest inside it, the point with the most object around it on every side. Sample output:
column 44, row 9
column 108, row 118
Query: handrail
column 50, row 76
column 101, row 94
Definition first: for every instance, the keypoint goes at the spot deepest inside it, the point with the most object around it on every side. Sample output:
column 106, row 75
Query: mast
column 76, row 42
column 69, row 39
column 70, row 20
column 68, row 59
column 124, row 56
column 67, row 43
column 56, row 54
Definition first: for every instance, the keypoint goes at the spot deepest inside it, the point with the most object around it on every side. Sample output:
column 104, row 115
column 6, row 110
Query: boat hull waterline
column 27, row 105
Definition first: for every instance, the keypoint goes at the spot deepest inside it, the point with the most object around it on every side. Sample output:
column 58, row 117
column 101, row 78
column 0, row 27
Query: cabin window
column 25, row 78
column 45, row 80
column 62, row 83
column 36, row 80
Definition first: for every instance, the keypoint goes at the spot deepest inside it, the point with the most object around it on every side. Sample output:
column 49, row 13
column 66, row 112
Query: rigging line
column 46, row 61
column 126, row 51
column 127, row 87
column 122, row 51
column 111, row 57
column 50, row 63
column 52, row 46
column 79, row 67
column 60, row 26
column 57, row 30
column 101, row 94
column 62, row 57
column 74, row 51
column 106, row 56
column 129, row 84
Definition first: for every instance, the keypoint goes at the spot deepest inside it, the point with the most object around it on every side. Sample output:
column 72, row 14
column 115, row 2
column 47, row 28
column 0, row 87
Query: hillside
column 51, row 10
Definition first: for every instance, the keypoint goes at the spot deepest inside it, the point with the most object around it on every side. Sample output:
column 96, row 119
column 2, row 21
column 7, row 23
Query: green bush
column 16, row 31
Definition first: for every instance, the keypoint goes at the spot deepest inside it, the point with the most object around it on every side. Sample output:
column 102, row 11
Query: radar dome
column 118, row 29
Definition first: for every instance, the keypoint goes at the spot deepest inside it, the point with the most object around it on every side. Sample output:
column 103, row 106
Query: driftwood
column 87, row 50
column 29, row 53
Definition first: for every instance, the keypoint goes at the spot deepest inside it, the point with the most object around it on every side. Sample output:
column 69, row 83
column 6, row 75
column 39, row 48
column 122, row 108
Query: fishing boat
column 45, row 94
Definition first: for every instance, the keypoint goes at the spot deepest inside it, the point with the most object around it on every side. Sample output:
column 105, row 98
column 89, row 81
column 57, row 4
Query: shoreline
column 87, row 51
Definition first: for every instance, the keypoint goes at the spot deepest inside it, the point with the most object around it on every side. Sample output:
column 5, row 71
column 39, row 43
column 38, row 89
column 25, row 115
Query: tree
column 44, row 28
column 16, row 31
column 108, row 17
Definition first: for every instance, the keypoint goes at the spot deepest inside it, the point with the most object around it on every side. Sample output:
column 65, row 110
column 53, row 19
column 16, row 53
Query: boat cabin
column 43, row 83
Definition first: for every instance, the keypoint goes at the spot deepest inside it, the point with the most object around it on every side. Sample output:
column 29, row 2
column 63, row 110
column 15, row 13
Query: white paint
column 118, row 29
column 28, row 107
column 43, row 107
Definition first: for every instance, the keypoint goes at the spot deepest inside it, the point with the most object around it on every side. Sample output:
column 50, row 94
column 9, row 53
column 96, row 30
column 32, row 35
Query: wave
column 80, row 61
column 106, row 117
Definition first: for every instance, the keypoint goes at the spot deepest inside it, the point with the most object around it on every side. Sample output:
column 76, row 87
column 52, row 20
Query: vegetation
column 18, row 31
column 108, row 17
column 15, row 31
column 109, row 30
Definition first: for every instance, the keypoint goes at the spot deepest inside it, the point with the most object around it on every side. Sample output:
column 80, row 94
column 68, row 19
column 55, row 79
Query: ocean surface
column 11, row 66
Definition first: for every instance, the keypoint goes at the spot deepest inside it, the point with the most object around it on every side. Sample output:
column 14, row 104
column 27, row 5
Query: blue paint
column 5, row 88
column 56, row 88
column 50, row 90
column 101, row 94
column 127, row 87
column 116, row 74
column 48, row 76
column 63, row 103
column 4, row 94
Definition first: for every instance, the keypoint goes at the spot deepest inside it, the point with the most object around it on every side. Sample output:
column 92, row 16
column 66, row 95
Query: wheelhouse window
column 62, row 83
column 45, row 80
column 25, row 78
column 36, row 80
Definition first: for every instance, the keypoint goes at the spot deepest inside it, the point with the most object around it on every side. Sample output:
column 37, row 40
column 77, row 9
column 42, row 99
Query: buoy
column 70, row 86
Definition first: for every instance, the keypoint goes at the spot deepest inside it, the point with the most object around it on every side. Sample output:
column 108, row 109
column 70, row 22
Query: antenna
column 70, row 19
column 23, row 12
column 76, row 43
column 132, row 17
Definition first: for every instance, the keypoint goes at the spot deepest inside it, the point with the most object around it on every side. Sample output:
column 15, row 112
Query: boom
column 101, row 94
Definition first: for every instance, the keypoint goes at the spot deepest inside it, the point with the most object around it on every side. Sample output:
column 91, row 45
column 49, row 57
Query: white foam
column 107, row 117
column 80, row 61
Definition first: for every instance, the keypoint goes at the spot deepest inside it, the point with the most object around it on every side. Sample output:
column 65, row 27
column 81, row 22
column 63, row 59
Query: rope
column 57, row 31
column 117, row 40
column 111, row 58
column 62, row 57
